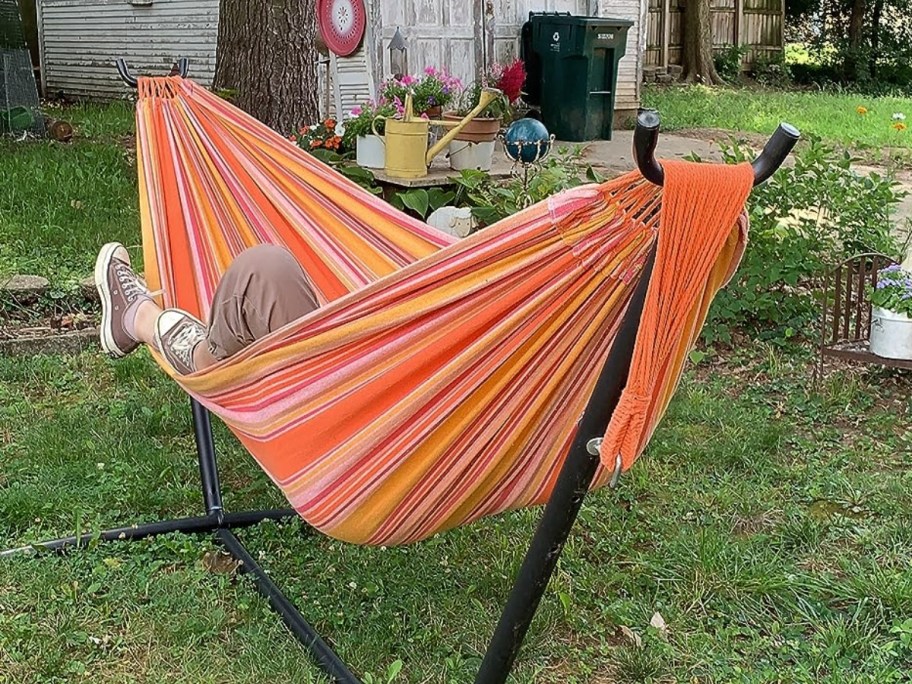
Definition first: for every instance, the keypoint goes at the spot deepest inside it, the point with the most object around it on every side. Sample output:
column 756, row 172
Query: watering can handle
column 374, row 126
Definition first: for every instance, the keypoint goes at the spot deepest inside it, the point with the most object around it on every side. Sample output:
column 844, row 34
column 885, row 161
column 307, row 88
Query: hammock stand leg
column 571, row 488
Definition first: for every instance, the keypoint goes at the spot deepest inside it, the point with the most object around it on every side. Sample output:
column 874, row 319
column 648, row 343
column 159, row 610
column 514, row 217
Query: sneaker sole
column 101, row 284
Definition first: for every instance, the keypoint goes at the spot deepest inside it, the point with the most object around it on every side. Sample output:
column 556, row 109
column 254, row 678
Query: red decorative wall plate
column 342, row 24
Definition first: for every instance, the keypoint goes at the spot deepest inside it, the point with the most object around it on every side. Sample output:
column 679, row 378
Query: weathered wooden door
column 464, row 36
column 503, row 20
column 440, row 33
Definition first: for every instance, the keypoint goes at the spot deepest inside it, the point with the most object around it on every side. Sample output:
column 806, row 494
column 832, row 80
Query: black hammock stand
column 560, row 513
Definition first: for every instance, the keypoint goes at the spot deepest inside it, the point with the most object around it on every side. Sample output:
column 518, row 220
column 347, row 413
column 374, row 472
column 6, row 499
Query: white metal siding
column 81, row 38
column 627, row 98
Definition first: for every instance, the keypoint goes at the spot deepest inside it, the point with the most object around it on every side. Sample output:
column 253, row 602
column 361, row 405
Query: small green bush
column 728, row 61
column 494, row 199
column 772, row 71
column 803, row 220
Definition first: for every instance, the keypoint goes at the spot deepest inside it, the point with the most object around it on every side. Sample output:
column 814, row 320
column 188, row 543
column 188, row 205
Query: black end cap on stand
column 646, row 137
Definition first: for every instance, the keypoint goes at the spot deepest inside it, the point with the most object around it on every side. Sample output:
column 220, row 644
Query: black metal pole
column 322, row 652
column 569, row 491
column 205, row 523
column 205, row 451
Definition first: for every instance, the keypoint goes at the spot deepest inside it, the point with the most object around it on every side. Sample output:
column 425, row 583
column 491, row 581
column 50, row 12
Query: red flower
column 512, row 79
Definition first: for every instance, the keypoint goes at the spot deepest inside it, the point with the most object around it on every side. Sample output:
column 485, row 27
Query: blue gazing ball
column 527, row 141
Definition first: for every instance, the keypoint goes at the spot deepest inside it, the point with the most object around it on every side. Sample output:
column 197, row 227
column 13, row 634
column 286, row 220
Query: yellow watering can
column 407, row 153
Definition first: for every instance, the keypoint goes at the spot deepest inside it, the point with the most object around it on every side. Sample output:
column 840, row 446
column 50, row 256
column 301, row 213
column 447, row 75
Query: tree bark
column 854, row 61
column 698, row 59
column 875, row 38
column 266, row 62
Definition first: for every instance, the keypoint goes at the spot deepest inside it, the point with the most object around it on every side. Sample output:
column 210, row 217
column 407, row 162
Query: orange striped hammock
column 440, row 381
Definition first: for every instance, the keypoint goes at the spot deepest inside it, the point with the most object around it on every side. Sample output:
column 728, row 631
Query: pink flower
column 408, row 80
column 356, row 111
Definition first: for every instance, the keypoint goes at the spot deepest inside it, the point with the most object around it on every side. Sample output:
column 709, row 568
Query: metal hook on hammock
column 181, row 68
column 646, row 136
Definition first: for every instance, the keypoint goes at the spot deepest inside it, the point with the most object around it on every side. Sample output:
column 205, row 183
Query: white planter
column 471, row 155
column 370, row 151
column 891, row 334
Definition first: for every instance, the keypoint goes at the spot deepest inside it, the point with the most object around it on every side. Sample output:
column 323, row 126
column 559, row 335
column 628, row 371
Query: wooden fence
column 758, row 24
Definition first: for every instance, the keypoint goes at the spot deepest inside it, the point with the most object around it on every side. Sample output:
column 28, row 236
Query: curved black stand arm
column 646, row 136
column 181, row 68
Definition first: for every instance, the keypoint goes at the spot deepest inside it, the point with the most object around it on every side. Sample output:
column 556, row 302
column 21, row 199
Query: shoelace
column 130, row 284
column 184, row 340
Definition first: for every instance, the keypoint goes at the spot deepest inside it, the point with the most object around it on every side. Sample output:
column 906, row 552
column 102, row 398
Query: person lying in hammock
column 263, row 290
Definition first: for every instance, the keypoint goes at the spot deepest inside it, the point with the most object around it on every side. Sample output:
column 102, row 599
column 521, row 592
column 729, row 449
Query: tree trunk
column 267, row 60
column 875, row 38
column 854, row 61
column 698, row 59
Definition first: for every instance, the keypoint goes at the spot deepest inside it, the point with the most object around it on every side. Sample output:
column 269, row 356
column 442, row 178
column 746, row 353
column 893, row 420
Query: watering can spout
column 488, row 95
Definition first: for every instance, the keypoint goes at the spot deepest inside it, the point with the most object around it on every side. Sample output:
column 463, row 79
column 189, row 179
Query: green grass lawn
column 768, row 524
column 60, row 202
column 834, row 117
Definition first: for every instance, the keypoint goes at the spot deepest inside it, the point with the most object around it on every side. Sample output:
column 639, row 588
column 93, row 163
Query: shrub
column 772, row 71
column 492, row 200
column 728, row 61
column 364, row 120
column 803, row 220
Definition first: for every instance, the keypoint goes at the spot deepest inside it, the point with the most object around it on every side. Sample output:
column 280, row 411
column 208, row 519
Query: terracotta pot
column 477, row 130
column 434, row 112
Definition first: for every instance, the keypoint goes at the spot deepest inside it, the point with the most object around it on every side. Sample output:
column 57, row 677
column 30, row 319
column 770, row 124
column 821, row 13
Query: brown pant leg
column 263, row 290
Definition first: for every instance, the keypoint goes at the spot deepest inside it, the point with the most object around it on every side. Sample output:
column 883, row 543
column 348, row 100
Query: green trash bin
column 572, row 65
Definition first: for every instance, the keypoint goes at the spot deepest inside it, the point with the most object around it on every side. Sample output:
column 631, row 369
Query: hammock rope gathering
column 440, row 381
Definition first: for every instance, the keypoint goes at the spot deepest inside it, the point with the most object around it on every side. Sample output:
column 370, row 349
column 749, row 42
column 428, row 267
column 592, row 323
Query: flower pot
column 891, row 334
column 477, row 130
column 471, row 155
column 434, row 112
column 370, row 151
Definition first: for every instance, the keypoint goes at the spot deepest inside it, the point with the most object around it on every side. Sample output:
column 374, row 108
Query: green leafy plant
column 422, row 202
column 323, row 135
column 366, row 119
column 344, row 164
column 434, row 88
column 494, row 199
column 509, row 80
column 772, row 70
column 805, row 218
column 728, row 61
column 893, row 290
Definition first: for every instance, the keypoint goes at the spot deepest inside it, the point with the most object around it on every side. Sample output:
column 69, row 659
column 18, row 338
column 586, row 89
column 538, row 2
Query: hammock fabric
column 440, row 381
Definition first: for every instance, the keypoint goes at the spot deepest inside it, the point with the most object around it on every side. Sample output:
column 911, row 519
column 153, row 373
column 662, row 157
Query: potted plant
column 473, row 147
column 323, row 136
column 364, row 130
column 431, row 93
column 891, row 314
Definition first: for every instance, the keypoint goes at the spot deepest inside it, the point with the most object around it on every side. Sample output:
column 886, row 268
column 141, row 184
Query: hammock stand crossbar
column 541, row 556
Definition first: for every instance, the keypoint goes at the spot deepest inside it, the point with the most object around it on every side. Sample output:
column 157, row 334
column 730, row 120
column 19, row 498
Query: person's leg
column 264, row 289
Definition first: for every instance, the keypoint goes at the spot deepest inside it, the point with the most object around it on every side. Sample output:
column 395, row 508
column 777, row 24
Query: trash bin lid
column 580, row 21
